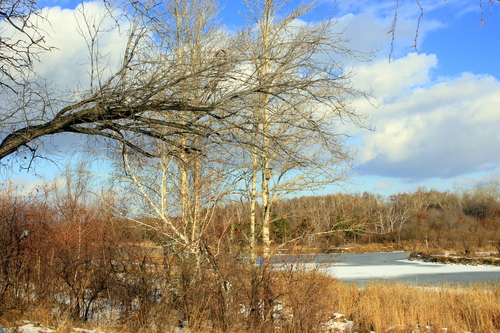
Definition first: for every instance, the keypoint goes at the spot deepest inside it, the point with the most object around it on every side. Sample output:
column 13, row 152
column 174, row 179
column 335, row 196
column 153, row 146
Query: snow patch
column 33, row 327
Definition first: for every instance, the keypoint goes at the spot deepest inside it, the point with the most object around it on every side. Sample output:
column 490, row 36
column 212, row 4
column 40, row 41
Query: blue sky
column 438, row 107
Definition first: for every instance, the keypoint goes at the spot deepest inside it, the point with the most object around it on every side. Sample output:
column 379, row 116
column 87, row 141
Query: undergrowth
column 295, row 300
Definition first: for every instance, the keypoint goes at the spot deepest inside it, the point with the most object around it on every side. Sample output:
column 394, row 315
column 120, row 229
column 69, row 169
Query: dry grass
column 390, row 307
column 295, row 301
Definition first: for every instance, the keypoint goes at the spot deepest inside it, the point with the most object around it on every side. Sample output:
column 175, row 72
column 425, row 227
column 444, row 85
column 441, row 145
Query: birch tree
column 307, row 97
column 177, row 185
column 176, row 190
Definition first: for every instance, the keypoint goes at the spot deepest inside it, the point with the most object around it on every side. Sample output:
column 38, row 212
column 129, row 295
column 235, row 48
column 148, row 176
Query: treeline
column 461, row 220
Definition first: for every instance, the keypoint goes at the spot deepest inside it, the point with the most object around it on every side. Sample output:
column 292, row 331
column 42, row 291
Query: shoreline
column 454, row 259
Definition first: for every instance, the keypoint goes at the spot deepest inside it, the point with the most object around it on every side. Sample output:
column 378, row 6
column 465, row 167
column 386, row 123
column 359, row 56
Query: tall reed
column 384, row 307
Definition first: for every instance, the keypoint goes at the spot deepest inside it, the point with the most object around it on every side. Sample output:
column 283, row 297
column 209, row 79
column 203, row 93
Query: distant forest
column 462, row 220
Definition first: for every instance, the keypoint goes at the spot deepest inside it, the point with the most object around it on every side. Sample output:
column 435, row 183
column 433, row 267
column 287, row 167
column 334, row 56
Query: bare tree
column 296, row 117
column 273, row 95
column 128, row 102
column 176, row 183
column 180, row 184
column 21, row 42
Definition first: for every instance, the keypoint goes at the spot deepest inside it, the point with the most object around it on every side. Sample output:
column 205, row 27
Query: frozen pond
column 394, row 266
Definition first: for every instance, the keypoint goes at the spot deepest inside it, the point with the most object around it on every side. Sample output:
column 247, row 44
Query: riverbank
column 475, row 259
column 481, row 256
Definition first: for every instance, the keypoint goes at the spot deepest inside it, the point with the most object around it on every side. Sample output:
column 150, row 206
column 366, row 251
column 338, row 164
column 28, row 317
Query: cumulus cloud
column 427, row 128
column 370, row 24
column 390, row 80
column 67, row 65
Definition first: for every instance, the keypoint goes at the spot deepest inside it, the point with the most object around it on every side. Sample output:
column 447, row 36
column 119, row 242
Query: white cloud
column 64, row 71
column 370, row 24
column 425, row 128
column 386, row 79
column 465, row 181
column 67, row 64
